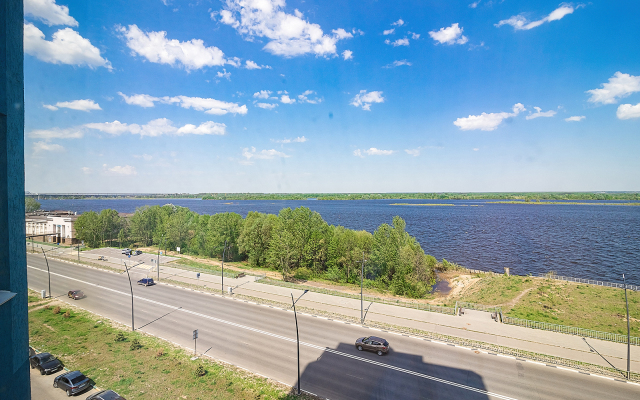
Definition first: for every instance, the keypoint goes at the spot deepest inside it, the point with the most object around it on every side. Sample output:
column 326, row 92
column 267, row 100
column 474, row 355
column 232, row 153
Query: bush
column 303, row 273
column 135, row 344
column 200, row 371
column 66, row 314
column 56, row 310
column 120, row 337
column 160, row 353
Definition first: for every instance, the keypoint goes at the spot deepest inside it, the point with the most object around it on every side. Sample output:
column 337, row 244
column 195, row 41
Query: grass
column 214, row 269
column 157, row 370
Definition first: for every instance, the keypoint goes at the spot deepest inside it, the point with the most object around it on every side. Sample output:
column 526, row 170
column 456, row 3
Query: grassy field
column 156, row 370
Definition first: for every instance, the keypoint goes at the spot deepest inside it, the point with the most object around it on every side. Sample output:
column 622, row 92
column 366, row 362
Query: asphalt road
column 262, row 339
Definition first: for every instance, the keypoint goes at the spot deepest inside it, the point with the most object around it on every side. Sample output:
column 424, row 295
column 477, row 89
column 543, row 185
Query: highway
column 262, row 340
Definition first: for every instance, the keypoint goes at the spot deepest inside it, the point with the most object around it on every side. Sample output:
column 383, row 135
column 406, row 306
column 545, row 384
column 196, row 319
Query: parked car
column 75, row 294
column 45, row 363
column 146, row 282
column 72, row 382
column 126, row 252
column 138, row 252
column 373, row 343
column 106, row 395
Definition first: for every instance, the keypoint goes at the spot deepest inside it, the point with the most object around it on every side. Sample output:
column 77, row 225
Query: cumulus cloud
column 372, row 152
column 364, row 99
column 389, row 31
column 156, row 48
column 399, row 22
column 342, row 34
column 474, row 4
column 252, row 154
column 159, row 127
column 628, row 111
column 413, row 152
column 288, row 35
column 122, row 170
column 347, row 55
column 619, row 86
column 304, row 97
column 286, row 99
column 399, row 42
column 114, row 128
column 65, row 47
column 540, row 113
column 39, row 147
column 80, row 105
column 299, row 139
column 267, row 106
column 205, row 128
column 263, row 94
column 450, row 35
column 520, row 22
column 57, row 133
column 224, row 74
column 49, row 12
column 253, row 65
column 487, row 122
column 414, row 36
column 398, row 63
column 208, row 105
column 142, row 100
column 576, row 118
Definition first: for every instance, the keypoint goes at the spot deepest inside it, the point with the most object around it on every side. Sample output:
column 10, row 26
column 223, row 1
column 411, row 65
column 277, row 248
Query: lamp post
column 158, row 263
column 297, row 335
column 223, row 251
column 361, row 297
column 131, row 287
column 628, row 330
column 48, row 271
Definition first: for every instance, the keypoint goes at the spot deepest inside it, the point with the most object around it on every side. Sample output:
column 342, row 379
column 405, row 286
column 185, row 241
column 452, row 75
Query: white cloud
column 267, row 106
column 303, row 98
column 251, row 154
column 263, row 94
column 476, row 149
column 156, row 48
column 142, row 100
column 288, row 35
column 398, row 63
column 520, row 22
column 123, row 170
column 66, row 47
column 389, row 31
column 80, row 105
column 205, row 128
column 299, row 139
column 372, row 152
column 619, row 86
column 225, row 74
column 49, row 12
column 474, row 4
column 364, row 99
column 347, row 55
column 39, row 147
column 540, row 113
column 342, row 34
column 399, row 22
column 576, row 118
column 450, row 35
column 487, row 122
column 209, row 106
column 86, row 170
column 57, row 133
column 253, row 65
column 399, row 42
column 628, row 111
column 414, row 36
column 146, row 157
column 114, row 128
column 286, row 99
column 159, row 127
column 413, row 152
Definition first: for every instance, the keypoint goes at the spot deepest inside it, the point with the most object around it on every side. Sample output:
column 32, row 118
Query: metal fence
column 570, row 330
column 589, row 281
column 407, row 304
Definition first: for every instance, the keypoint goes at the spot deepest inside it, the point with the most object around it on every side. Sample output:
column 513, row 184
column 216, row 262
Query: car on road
column 137, row 252
column 106, row 395
column 75, row 294
column 126, row 252
column 146, row 282
column 45, row 363
column 72, row 382
column 373, row 343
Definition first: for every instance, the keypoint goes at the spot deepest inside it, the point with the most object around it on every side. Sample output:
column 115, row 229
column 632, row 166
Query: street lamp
column 361, row 298
column 131, row 287
column 628, row 331
column 48, row 271
column 297, row 335
column 223, row 251
column 158, row 263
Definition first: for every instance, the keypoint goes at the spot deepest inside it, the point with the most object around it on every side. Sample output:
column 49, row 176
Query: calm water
column 584, row 241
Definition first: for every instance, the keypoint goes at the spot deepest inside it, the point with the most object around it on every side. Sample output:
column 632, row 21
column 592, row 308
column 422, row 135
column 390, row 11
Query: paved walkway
column 475, row 325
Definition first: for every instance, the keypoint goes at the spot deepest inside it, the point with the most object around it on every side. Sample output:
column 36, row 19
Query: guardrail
column 589, row 282
column 570, row 330
column 407, row 304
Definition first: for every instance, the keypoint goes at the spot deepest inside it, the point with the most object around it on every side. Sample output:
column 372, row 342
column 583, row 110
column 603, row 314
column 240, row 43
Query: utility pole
column 628, row 330
column 361, row 297
column 195, row 342
column 131, row 287
column 158, row 263
column 48, row 271
column 297, row 335
column 223, row 251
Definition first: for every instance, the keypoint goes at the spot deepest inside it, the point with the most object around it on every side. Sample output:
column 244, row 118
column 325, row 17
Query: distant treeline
column 296, row 242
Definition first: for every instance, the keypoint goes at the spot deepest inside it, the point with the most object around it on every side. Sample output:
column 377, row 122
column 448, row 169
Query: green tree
column 88, row 228
column 255, row 237
column 31, row 204
column 224, row 227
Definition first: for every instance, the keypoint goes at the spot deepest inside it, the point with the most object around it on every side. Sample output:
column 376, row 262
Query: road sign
column 195, row 334
column 129, row 256
column 198, row 275
column 178, row 249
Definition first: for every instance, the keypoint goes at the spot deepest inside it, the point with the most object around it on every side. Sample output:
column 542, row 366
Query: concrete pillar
column 14, row 328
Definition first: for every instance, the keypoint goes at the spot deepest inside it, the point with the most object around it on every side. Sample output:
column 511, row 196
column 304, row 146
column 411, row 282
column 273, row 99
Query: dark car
column 75, row 294
column 106, row 395
column 373, row 343
column 71, row 382
column 137, row 252
column 146, row 282
column 45, row 363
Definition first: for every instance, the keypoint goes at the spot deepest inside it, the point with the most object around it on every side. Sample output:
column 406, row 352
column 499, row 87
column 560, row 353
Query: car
column 45, row 363
column 146, row 282
column 72, row 382
column 373, row 343
column 126, row 251
column 106, row 395
column 75, row 294
column 138, row 252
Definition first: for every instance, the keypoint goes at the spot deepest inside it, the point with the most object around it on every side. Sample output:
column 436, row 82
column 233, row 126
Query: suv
column 45, row 362
column 146, row 282
column 75, row 294
column 71, row 382
column 126, row 252
column 106, row 395
column 373, row 343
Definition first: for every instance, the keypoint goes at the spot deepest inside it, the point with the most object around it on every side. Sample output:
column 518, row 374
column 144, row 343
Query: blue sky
column 331, row 96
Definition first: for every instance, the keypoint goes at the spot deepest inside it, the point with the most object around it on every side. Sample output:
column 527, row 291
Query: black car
column 45, row 363
column 373, row 343
column 72, row 382
column 137, row 252
column 76, row 294
column 106, row 395
column 146, row 282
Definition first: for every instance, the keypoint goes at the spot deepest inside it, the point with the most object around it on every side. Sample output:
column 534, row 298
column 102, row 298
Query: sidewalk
column 474, row 325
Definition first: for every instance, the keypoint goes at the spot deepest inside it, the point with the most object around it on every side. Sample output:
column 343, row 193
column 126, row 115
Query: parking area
column 115, row 256
column 42, row 387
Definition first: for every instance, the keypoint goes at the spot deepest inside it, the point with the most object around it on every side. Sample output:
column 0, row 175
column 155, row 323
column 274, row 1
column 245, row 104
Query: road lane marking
column 326, row 349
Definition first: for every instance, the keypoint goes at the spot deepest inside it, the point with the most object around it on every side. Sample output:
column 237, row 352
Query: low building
column 52, row 226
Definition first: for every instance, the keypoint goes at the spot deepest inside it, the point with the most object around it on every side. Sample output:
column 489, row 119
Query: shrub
column 160, row 353
column 303, row 273
column 135, row 344
column 66, row 314
column 200, row 371
column 56, row 310
column 120, row 337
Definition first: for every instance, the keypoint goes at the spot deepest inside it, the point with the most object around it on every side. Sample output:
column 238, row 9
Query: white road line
column 406, row 371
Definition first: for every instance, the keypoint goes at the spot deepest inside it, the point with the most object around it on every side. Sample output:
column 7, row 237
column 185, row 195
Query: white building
column 53, row 227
